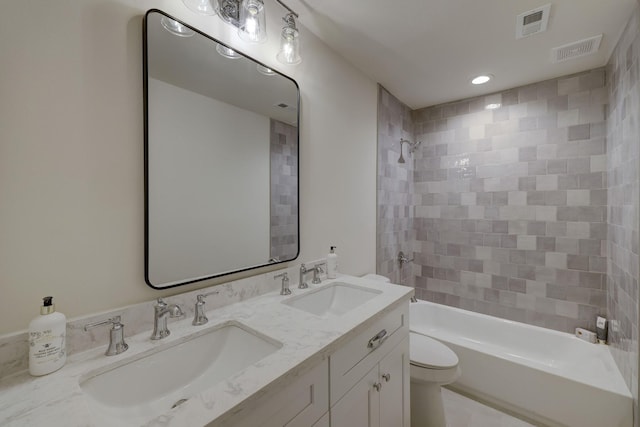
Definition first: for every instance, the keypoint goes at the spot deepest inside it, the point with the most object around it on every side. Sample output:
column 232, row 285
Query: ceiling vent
column 532, row 22
column 576, row 49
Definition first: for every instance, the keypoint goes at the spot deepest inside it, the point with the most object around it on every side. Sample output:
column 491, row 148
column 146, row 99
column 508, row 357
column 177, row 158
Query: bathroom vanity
column 303, row 360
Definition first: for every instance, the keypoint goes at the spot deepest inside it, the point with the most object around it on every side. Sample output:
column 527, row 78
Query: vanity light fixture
column 249, row 17
column 227, row 52
column 176, row 28
column 265, row 70
column 480, row 80
column 289, row 53
column 492, row 106
column 253, row 23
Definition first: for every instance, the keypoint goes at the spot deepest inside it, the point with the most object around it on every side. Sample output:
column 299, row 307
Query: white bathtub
column 547, row 376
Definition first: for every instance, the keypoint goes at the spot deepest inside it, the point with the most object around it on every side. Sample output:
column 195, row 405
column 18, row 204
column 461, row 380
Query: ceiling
column 425, row 52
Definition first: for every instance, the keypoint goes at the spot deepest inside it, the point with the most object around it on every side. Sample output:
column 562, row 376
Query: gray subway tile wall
column 520, row 191
column 284, row 190
column 622, row 164
column 395, row 190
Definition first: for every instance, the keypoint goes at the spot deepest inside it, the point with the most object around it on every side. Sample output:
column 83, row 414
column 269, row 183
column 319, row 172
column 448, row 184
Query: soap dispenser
column 332, row 263
column 47, row 340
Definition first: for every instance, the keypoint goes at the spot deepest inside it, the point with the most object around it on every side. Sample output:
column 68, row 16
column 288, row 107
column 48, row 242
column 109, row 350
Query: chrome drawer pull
column 377, row 339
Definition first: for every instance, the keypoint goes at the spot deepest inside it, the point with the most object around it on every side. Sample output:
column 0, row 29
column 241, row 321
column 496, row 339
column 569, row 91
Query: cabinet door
column 360, row 406
column 394, row 393
column 300, row 404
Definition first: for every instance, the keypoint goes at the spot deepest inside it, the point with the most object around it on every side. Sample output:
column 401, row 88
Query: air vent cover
column 576, row 49
column 532, row 22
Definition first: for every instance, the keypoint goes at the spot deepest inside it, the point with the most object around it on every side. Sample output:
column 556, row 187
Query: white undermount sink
column 334, row 299
column 134, row 393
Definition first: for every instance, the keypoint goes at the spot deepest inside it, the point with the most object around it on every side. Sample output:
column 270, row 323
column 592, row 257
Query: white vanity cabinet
column 370, row 388
column 363, row 383
column 300, row 404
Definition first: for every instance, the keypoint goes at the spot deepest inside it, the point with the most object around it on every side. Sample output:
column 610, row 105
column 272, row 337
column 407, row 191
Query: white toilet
column 432, row 365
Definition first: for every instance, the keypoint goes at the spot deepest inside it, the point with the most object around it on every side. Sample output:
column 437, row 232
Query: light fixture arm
column 229, row 11
column 290, row 21
column 288, row 8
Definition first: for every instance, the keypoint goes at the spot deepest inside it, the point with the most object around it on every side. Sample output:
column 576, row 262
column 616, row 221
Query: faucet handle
column 116, row 335
column 201, row 297
column 200, row 318
column 317, row 269
column 285, row 283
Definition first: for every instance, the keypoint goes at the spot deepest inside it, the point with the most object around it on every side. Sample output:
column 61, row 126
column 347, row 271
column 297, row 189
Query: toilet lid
column 429, row 353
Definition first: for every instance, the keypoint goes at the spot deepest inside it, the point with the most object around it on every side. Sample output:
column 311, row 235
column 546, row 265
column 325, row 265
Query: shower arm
column 412, row 145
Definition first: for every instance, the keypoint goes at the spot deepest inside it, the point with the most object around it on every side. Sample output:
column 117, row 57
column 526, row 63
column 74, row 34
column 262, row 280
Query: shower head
column 412, row 147
column 401, row 159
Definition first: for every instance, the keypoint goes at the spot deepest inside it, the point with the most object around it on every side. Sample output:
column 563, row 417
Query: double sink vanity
column 336, row 351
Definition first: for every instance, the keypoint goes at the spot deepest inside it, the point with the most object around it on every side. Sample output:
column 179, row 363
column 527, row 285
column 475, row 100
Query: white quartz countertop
column 57, row 399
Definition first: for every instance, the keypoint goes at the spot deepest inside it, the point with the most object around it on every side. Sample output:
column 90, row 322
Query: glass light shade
column 289, row 47
column 253, row 23
column 227, row 52
column 176, row 28
column 202, row 7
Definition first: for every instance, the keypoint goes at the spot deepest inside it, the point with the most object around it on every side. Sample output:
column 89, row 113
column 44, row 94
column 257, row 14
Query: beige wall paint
column 71, row 153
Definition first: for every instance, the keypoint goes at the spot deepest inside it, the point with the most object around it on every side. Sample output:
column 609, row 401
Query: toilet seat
column 425, row 352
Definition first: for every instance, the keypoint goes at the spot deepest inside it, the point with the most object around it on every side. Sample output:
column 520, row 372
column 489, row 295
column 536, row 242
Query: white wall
column 71, row 153
column 218, row 176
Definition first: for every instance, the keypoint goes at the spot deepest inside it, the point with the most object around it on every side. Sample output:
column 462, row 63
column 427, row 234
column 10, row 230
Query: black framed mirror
column 221, row 158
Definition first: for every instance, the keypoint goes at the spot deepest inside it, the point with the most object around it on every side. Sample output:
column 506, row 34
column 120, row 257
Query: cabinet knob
column 387, row 377
column 377, row 386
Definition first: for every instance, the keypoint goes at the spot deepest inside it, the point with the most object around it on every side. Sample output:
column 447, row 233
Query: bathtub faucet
column 402, row 259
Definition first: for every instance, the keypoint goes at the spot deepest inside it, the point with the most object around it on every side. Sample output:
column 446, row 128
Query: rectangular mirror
column 221, row 158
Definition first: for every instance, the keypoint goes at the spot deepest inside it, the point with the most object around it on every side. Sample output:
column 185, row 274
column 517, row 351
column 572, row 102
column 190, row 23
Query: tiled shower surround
column 284, row 190
column 395, row 231
column 529, row 211
column 623, row 144
column 511, row 203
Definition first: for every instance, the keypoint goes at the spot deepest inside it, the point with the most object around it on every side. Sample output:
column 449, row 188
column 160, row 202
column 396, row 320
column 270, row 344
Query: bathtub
column 546, row 376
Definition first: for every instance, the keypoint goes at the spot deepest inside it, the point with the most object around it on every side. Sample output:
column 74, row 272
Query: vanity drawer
column 358, row 356
column 300, row 404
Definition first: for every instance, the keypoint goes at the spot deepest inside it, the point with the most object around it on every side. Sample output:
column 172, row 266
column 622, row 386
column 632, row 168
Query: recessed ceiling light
column 481, row 79
column 492, row 106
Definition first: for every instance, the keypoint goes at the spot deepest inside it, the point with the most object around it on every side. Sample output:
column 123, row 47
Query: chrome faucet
column 316, row 273
column 303, row 270
column 285, row 283
column 200, row 318
column 116, row 335
column 160, row 312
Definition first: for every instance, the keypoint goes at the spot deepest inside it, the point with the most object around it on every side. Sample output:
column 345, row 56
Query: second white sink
column 334, row 299
column 149, row 386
